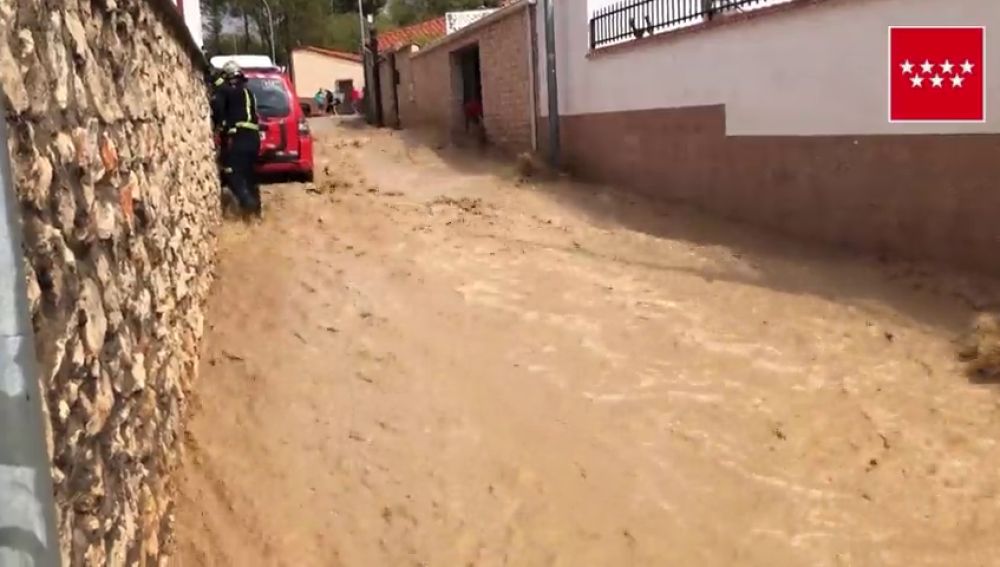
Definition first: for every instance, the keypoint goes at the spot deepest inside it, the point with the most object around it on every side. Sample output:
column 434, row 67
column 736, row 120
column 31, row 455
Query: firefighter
column 215, row 83
column 236, row 108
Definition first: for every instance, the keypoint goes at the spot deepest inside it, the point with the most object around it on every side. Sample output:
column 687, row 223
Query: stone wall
column 114, row 168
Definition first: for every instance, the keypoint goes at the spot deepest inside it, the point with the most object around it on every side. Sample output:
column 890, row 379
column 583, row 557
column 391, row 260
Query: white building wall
column 455, row 21
column 818, row 69
column 192, row 17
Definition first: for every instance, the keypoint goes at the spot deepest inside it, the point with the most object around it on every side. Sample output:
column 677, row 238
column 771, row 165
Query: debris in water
column 779, row 433
column 232, row 356
column 980, row 348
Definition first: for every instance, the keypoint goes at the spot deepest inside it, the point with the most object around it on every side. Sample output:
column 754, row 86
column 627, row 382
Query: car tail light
column 303, row 127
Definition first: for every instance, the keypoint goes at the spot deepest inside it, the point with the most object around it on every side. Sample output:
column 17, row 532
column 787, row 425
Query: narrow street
column 424, row 360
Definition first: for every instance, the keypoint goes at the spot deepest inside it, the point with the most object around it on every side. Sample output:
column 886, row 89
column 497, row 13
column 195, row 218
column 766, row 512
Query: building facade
column 191, row 10
column 489, row 61
column 779, row 117
column 315, row 68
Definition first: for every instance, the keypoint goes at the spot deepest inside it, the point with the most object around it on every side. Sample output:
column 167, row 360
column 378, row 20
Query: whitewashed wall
column 818, row 69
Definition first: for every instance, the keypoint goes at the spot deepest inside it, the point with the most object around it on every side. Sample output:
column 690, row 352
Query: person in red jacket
column 474, row 117
column 473, row 112
column 356, row 102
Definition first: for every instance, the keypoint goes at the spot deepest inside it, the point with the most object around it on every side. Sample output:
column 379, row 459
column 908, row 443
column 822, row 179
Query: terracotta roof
column 391, row 40
column 331, row 53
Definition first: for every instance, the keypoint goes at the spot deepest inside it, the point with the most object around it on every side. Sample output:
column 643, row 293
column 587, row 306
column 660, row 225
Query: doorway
column 467, row 82
column 345, row 96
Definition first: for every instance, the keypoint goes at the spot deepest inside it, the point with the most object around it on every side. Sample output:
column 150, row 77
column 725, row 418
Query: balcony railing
column 634, row 19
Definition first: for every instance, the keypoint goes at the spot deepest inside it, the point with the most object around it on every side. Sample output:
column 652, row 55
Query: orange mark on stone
column 109, row 154
column 82, row 146
column 125, row 193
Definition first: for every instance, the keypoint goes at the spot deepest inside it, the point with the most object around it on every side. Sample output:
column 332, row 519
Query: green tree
column 242, row 25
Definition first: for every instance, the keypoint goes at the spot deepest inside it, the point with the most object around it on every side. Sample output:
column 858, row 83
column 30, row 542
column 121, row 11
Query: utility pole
column 366, row 58
column 552, row 82
column 270, row 28
column 28, row 535
column 376, row 101
column 361, row 19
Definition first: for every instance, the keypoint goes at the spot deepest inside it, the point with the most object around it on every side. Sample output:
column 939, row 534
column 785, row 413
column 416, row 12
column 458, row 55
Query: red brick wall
column 506, row 68
column 430, row 76
column 923, row 197
column 506, row 76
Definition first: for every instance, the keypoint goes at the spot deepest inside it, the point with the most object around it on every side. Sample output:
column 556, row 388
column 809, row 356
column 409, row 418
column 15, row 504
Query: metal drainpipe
column 552, row 82
column 532, row 15
column 27, row 511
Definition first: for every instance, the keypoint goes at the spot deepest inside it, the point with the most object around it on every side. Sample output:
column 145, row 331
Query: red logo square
column 937, row 74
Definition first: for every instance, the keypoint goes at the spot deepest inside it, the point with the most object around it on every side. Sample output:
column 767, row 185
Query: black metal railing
column 634, row 19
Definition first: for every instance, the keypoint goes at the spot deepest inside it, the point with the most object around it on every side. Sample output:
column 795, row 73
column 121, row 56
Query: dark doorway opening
column 470, row 90
column 345, row 96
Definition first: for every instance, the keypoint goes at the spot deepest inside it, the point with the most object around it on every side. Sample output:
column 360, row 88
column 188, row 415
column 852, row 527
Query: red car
column 286, row 144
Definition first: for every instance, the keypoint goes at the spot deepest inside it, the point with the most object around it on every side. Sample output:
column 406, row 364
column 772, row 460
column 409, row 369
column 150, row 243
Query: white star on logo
column 917, row 81
column 957, row 81
column 937, row 81
column 967, row 67
column 946, row 67
column 907, row 67
column 927, row 67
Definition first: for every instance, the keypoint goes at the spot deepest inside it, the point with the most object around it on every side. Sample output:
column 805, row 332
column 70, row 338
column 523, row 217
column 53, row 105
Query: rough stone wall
column 113, row 162
column 506, row 68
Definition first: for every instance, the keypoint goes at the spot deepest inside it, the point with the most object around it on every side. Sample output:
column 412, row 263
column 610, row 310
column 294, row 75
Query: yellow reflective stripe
column 245, row 126
column 219, row 81
column 247, row 95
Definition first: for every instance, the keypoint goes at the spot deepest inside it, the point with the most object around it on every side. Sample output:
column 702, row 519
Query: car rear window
column 272, row 96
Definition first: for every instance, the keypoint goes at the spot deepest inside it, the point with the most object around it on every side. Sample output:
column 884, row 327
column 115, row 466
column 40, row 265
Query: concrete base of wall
column 918, row 197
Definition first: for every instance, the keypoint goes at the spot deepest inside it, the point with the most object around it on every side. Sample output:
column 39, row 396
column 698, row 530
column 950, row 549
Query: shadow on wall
column 22, row 542
column 931, row 295
column 17, row 543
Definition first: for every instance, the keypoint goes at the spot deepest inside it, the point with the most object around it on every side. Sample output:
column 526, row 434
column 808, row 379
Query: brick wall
column 923, row 197
column 428, row 87
column 506, row 68
column 430, row 79
column 406, row 90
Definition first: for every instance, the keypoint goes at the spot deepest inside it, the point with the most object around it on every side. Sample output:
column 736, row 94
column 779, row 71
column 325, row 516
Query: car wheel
column 307, row 176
